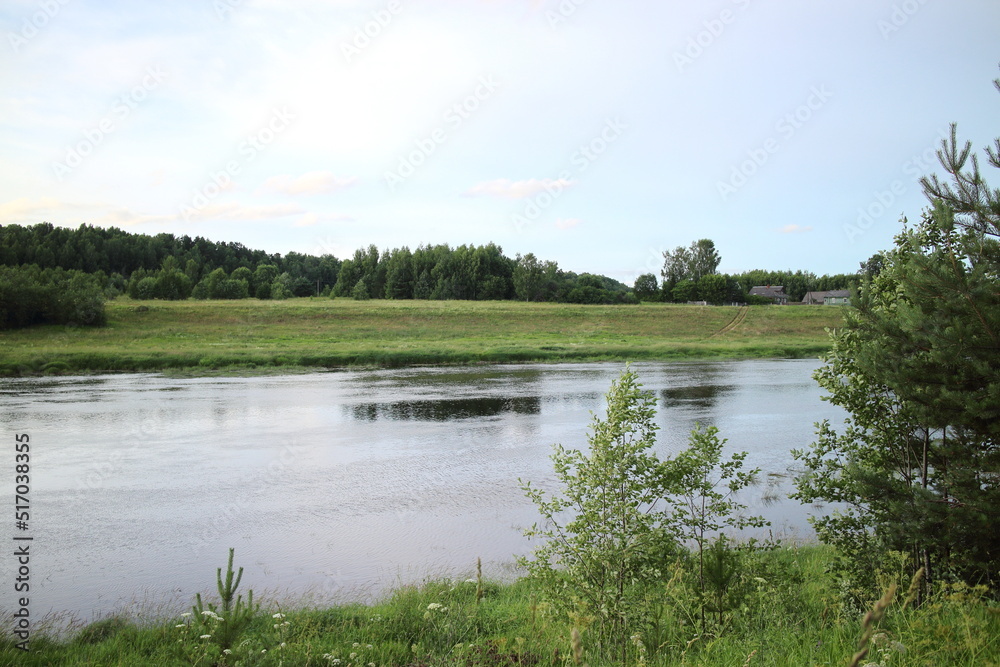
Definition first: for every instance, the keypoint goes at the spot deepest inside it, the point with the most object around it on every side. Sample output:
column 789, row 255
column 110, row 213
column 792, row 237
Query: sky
column 597, row 134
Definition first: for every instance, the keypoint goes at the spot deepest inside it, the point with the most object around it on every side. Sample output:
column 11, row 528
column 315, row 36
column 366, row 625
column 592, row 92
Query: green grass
column 325, row 333
column 792, row 617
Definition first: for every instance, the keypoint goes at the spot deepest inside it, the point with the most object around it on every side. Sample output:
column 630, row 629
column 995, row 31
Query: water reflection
column 702, row 397
column 442, row 410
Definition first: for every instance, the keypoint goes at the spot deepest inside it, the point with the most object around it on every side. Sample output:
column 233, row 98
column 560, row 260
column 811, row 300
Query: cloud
column 22, row 209
column 794, row 229
column 234, row 211
column 508, row 189
column 311, row 218
column 568, row 223
column 311, row 183
column 48, row 209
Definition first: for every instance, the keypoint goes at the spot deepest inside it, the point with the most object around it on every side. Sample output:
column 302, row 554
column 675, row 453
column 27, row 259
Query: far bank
column 319, row 333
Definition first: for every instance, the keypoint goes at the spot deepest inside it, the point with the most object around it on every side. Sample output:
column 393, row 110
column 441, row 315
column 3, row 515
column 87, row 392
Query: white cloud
column 234, row 211
column 311, row 218
column 508, row 189
column 48, row 209
column 311, row 183
column 568, row 223
column 21, row 209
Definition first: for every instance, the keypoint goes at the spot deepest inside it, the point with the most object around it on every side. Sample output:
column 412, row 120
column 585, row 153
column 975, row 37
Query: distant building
column 775, row 293
column 836, row 297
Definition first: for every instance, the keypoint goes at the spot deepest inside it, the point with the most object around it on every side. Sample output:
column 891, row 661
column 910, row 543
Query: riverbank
column 253, row 336
column 790, row 614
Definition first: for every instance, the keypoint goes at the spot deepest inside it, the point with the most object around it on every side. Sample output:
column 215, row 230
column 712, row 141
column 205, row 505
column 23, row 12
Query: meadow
column 251, row 335
column 789, row 615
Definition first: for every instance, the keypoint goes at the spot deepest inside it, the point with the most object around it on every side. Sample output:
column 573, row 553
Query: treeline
column 31, row 295
column 470, row 272
column 168, row 267
column 734, row 288
column 690, row 274
column 120, row 255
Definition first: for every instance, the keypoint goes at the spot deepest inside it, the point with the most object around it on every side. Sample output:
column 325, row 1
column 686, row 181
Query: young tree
column 624, row 515
column 604, row 536
column 918, row 367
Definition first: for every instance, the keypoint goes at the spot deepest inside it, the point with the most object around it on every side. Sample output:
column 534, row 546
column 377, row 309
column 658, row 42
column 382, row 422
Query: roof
column 770, row 291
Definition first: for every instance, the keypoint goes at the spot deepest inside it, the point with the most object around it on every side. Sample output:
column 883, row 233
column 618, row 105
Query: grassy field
column 315, row 332
column 790, row 616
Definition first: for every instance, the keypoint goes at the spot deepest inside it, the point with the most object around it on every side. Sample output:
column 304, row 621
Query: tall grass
column 792, row 617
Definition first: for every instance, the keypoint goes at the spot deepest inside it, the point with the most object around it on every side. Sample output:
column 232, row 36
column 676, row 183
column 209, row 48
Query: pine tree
column 918, row 368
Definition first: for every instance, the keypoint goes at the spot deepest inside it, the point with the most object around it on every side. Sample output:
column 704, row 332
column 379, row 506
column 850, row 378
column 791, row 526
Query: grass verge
column 791, row 616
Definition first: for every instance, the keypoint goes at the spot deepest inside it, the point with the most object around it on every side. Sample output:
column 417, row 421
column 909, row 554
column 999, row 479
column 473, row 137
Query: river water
column 339, row 485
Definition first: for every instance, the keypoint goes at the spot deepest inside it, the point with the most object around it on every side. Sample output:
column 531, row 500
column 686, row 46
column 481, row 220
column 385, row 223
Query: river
column 339, row 485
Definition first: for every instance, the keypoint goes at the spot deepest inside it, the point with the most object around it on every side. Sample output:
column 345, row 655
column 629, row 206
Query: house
column 775, row 293
column 837, row 297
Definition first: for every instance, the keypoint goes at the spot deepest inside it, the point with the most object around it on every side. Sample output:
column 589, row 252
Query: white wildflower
column 205, row 636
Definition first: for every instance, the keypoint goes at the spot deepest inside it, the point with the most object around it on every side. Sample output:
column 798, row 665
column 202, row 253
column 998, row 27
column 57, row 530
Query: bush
column 30, row 296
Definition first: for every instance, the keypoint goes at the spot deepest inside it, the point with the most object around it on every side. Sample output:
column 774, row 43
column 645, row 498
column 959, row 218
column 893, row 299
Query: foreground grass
column 790, row 617
column 324, row 333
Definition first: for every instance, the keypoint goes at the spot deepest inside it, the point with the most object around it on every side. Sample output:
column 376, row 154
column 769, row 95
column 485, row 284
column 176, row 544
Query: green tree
column 684, row 291
column 691, row 263
column 533, row 279
column 706, row 488
column 918, row 368
column 281, row 287
column 713, row 288
column 263, row 279
column 704, row 259
column 399, row 274
column 360, row 291
column 676, row 267
column 646, row 288
column 621, row 516
column 603, row 536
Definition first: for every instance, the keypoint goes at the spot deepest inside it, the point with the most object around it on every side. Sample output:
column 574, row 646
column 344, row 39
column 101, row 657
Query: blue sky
column 589, row 132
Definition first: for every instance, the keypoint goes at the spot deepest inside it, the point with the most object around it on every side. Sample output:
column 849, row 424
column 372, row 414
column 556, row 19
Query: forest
column 104, row 263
